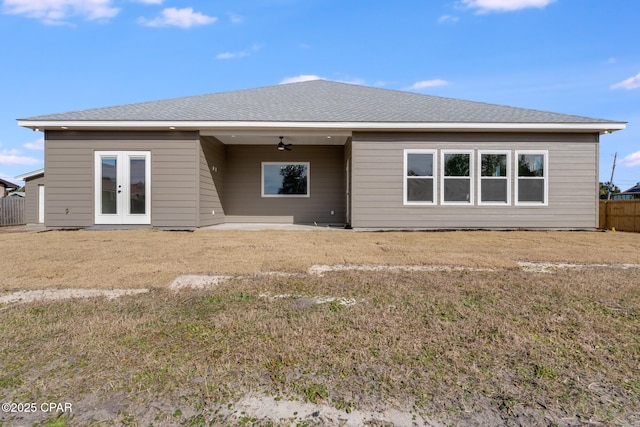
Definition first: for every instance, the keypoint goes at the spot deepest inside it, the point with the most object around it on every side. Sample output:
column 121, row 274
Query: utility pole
column 611, row 187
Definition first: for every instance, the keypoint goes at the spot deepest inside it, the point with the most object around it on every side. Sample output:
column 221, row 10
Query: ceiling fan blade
column 282, row 146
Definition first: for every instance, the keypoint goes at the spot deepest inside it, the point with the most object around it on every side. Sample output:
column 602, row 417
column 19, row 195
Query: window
column 531, row 177
column 494, row 180
column 285, row 179
column 457, row 173
column 419, row 177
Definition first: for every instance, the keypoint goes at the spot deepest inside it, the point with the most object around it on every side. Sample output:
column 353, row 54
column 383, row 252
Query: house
column 34, row 192
column 323, row 152
column 632, row 193
column 6, row 187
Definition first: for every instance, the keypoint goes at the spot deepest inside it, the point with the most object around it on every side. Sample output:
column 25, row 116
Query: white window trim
column 507, row 177
column 434, row 153
column 545, row 176
column 307, row 164
column 471, row 177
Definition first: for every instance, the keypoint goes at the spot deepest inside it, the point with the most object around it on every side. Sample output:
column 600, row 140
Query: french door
column 123, row 187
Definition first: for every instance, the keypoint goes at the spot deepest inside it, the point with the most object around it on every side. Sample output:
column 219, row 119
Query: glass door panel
column 137, row 185
column 109, row 185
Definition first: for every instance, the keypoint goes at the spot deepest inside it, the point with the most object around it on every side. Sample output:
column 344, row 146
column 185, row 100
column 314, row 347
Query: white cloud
column 632, row 160
column 35, row 145
column 239, row 54
column 310, row 77
column 485, row 6
column 630, row 83
column 301, row 78
column 424, row 84
column 448, row 19
column 236, row 19
column 183, row 18
column 354, row 81
column 149, row 1
column 232, row 55
column 55, row 12
column 12, row 157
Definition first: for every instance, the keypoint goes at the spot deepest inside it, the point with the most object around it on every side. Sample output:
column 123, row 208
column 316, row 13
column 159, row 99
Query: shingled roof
column 9, row 185
column 318, row 101
column 633, row 190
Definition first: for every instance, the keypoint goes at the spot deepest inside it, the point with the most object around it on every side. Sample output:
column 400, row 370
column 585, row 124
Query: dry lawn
column 151, row 258
column 503, row 347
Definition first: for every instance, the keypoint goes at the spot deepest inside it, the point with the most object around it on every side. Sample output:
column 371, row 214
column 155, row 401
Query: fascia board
column 29, row 174
column 326, row 126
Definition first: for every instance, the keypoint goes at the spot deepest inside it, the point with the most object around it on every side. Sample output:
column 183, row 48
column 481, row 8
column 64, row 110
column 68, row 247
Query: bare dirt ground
column 307, row 328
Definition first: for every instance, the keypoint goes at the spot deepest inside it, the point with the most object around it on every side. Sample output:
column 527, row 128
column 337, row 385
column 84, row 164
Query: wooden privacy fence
column 623, row 215
column 11, row 211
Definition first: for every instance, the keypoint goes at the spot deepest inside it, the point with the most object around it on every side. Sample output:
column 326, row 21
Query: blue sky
column 569, row 56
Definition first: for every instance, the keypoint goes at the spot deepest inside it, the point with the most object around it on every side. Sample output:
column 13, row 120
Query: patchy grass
column 460, row 347
column 152, row 258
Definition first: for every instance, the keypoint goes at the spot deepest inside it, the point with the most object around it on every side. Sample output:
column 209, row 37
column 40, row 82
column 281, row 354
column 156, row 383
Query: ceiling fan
column 282, row 146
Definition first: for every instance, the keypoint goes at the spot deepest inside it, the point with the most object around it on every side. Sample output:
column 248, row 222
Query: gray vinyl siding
column 32, row 198
column 69, row 166
column 242, row 193
column 348, row 183
column 377, row 193
column 212, row 170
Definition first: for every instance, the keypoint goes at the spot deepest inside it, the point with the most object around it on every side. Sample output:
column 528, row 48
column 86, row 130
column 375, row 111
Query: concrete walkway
column 35, row 228
column 252, row 226
column 25, row 228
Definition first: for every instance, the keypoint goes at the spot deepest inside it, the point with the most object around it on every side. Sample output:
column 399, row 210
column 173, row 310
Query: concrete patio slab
column 272, row 226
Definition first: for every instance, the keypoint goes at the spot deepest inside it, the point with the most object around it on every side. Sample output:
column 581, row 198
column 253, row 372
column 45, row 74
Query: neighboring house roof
column 318, row 103
column 8, row 185
column 633, row 190
column 16, row 194
column 630, row 194
column 29, row 175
